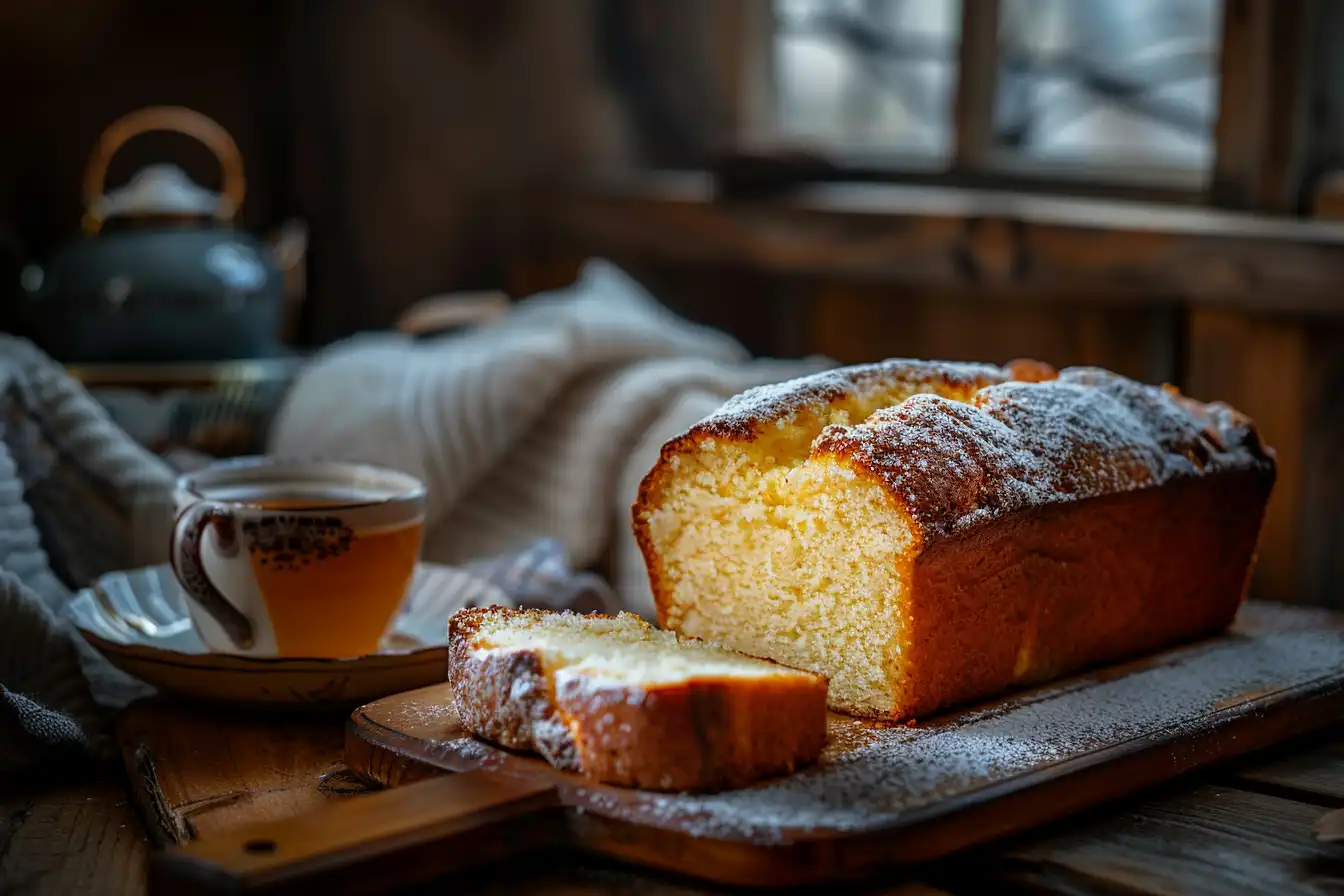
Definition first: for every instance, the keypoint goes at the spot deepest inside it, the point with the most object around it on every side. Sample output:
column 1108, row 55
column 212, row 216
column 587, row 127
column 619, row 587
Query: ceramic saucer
column 138, row 620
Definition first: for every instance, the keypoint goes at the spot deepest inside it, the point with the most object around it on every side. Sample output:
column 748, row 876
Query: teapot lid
column 159, row 189
column 162, row 189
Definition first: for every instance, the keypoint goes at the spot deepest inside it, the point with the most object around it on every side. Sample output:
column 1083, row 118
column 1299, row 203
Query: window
column 867, row 74
column 1119, row 84
column 1117, row 81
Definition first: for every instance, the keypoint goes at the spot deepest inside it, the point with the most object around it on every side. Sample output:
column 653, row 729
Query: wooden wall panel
column 438, row 117
column 1322, row 492
column 1258, row 365
column 855, row 324
column 404, row 131
column 74, row 66
column 1017, row 248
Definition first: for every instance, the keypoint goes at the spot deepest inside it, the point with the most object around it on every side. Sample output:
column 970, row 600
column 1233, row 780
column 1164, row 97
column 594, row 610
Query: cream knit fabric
column 540, row 424
column 71, row 484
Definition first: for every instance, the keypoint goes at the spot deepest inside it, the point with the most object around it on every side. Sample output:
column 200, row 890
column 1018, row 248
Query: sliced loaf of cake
column 620, row 701
column 928, row 534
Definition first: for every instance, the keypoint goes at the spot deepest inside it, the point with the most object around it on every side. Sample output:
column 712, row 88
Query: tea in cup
column 296, row 558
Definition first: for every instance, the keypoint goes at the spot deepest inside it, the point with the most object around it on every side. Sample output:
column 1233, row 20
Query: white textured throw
column 540, row 424
column 71, row 483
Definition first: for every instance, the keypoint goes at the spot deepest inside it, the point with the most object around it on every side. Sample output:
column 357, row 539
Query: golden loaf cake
column 926, row 534
column 619, row 701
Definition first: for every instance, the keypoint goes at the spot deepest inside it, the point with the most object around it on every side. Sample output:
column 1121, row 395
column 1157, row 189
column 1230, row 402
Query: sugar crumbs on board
column 873, row 778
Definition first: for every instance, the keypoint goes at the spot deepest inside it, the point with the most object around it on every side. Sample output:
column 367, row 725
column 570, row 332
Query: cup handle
column 185, row 556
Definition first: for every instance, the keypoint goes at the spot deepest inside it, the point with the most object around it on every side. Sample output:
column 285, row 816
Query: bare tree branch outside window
column 1118, row 82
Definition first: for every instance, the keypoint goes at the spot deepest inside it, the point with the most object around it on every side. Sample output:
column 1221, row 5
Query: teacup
column 296, row 558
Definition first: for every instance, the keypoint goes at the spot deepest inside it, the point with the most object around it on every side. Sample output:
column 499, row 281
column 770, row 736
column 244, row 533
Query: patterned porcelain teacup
column 296, row 558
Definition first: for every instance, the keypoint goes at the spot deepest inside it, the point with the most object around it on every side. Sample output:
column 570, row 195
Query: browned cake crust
column 704, row 734
column 1060, row 519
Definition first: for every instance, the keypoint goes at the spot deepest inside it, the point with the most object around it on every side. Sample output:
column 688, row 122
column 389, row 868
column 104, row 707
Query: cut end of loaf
column 792, row 561
column 759, row 546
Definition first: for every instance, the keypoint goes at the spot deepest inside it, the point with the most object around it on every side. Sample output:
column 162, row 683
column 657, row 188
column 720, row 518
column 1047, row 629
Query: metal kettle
column 160, row 274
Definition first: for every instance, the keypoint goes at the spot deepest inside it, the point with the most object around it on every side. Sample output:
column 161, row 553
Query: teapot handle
column 164, row 118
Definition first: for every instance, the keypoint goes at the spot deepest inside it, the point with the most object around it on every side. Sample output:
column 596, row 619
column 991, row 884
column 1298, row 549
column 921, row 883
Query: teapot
column 160, row 274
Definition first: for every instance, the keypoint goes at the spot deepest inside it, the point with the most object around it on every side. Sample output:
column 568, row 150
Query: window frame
column 1262, row 134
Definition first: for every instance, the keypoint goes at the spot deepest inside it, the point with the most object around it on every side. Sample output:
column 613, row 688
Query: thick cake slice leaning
column 623, row 702
column 926, row 534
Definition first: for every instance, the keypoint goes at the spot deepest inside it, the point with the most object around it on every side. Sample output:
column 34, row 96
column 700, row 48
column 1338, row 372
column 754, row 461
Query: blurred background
column 1146, row 185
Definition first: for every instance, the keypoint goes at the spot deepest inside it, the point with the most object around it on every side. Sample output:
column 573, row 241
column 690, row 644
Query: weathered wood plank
column 198, row 771
column 1308, row 774
column 1322, row 520
column 1274, row 393
column 855, row 324
column 1257, row 364
column 201, row 772
column 83, row 837
column 997, row 244
column 76, row 837
column 1328, row 198
column 1323, row 501
column 539, row 270
column 570, row 875
column 1209, row 840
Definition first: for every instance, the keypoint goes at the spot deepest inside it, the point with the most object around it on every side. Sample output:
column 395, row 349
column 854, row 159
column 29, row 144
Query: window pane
column 867, row 74
column 1115, row 82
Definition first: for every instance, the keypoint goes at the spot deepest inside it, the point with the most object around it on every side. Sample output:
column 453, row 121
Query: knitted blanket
column 72, row 486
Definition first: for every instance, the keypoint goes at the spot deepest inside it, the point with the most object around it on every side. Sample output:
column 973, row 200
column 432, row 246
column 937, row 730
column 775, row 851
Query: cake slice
column 617, row 700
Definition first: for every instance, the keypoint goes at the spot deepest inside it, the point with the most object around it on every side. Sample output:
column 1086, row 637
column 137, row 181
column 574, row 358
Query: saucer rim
column 282, row 685
column 156, row 653
column 215, row 659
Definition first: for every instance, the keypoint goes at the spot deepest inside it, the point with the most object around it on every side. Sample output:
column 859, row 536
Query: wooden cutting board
column 880, row 797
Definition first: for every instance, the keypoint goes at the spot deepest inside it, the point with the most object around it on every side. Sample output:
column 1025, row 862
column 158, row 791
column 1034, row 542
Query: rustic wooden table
column 1246, row 828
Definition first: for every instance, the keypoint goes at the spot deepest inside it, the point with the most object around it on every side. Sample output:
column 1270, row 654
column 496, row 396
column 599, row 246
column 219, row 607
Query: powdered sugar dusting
column 1026, row 444
column 778, row 403
column 874, row 778
column 471, row 749
column 974, row 441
